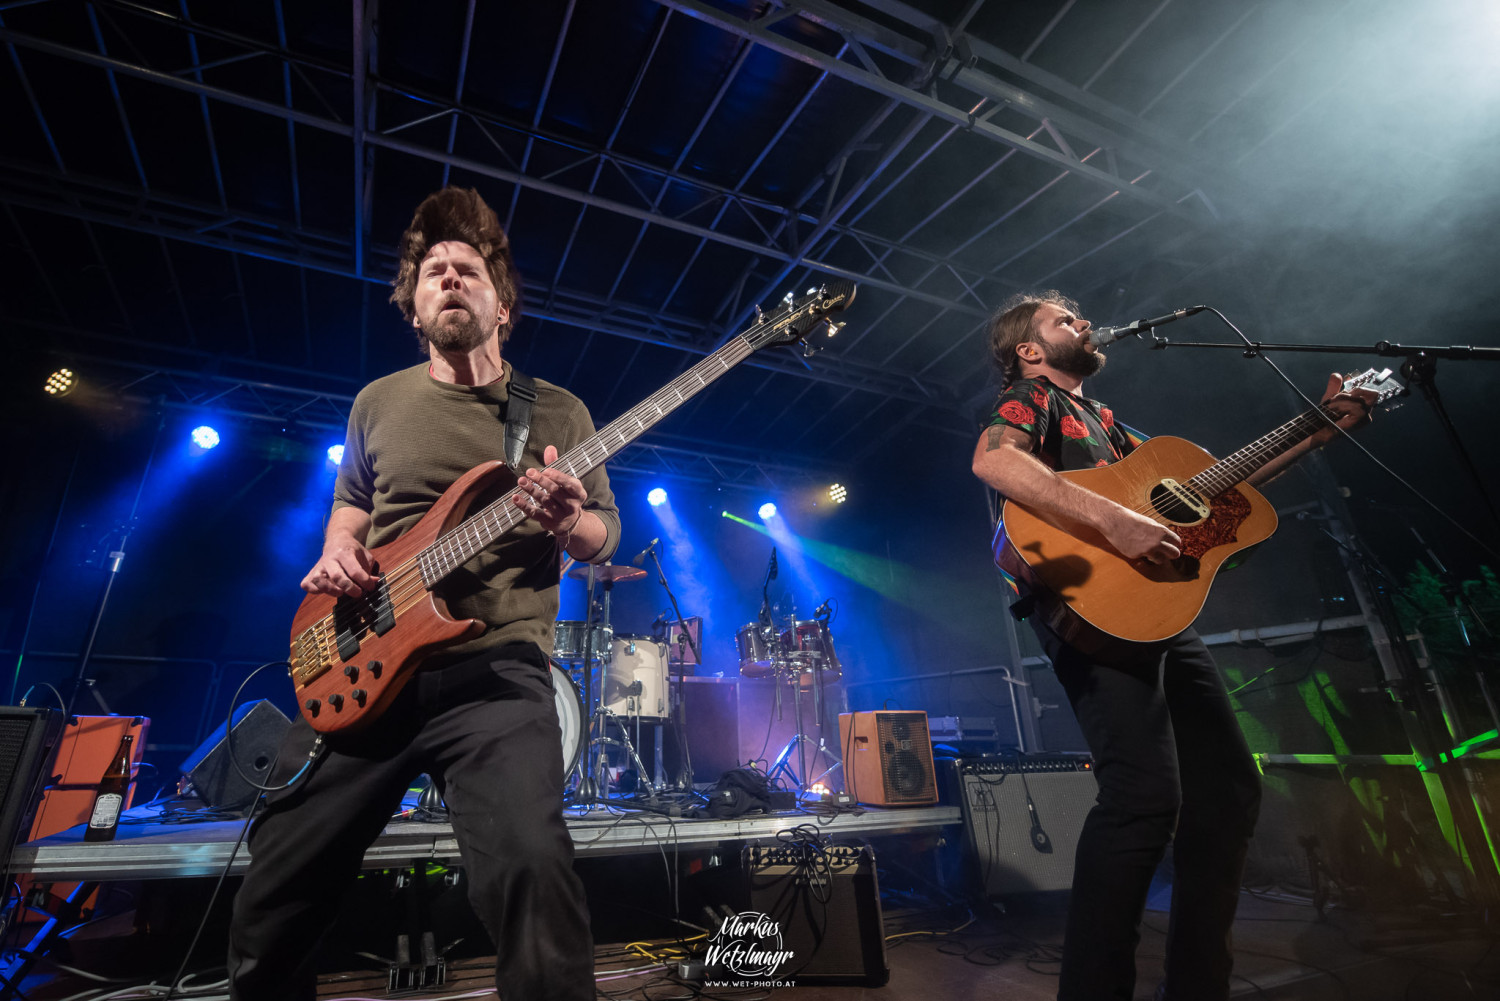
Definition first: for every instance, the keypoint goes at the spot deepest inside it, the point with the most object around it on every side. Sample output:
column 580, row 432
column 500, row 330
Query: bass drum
column 569, row 717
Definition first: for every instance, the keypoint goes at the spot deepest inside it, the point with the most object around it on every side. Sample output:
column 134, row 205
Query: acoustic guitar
column 1091, row 595
column 350, row 657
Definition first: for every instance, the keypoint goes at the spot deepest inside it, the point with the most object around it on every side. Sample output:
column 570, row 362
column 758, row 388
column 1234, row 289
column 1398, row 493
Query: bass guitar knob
column 312, row 706
column 358, row 695
column 337, row 701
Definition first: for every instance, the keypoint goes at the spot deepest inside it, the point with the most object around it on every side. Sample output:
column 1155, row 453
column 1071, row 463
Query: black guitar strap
column 518, row 417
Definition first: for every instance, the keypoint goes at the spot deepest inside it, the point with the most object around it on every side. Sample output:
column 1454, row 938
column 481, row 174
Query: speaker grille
column 907, row 753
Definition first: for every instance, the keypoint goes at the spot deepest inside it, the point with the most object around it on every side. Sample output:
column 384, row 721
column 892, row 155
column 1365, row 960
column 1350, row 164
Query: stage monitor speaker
column 887, row 758
column 1024, row 815
column 28, row 738
column 826, row 904
column 258, row 730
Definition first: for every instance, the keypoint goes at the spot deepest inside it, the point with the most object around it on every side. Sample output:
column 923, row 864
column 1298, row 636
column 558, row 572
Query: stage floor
column 144, row 849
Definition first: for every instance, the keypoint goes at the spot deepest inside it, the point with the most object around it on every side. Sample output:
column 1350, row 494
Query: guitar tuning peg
column 813, row 290
column 834, row 328
column 809, row 349
column 788, row 298
column 760, row 317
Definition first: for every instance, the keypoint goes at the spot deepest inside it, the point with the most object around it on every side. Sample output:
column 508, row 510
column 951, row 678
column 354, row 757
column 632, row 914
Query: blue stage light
column 767, row 511
column 657, row 497
column 336, row 454
column 205, row 437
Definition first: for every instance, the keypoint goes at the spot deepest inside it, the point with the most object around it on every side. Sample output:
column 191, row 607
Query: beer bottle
column 110, row 799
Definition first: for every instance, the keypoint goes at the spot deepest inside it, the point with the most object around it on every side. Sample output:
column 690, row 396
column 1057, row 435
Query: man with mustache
column 1171, row 762
column 480, row 717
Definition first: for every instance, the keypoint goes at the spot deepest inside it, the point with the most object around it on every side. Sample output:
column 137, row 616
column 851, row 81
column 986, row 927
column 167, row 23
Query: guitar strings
column 1228, row 472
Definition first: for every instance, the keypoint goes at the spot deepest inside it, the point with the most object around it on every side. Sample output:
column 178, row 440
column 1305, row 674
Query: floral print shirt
column 1067, row 431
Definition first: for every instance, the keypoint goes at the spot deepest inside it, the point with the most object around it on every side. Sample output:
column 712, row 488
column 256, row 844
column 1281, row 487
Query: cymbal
column 607, row 573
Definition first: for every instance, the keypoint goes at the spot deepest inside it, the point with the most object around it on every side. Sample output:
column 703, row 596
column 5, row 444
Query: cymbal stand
column 678, row 704
column 588, row 792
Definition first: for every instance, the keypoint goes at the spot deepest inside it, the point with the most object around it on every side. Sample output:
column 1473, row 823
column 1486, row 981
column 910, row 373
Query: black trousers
column 1169, row 755
column 487, row 731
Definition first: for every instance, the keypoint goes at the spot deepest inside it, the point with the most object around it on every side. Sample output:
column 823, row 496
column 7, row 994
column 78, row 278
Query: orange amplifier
column 87, row 747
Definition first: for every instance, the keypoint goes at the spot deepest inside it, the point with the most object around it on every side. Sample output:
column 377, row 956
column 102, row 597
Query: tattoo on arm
column 995, row 437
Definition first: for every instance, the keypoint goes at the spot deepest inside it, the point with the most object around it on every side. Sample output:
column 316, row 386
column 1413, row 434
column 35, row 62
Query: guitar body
column 385, row 659
column 1092, row 596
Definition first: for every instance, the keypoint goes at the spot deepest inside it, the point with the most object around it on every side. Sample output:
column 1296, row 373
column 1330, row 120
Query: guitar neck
column 1241, row 465
column 473, row 536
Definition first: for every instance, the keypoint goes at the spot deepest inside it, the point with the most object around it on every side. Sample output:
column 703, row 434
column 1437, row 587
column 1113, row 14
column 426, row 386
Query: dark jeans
column 488, row 733
column 1168, row 755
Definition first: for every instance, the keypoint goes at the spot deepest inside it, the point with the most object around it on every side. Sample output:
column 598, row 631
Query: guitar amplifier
column 1023, row 815
column 818, row 907
column 887, row 758
column 27, row 740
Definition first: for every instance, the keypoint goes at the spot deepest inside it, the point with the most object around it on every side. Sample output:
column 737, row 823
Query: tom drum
column 754, row 642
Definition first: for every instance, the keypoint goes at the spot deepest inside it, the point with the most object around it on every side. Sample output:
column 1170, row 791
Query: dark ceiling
column 199, row 201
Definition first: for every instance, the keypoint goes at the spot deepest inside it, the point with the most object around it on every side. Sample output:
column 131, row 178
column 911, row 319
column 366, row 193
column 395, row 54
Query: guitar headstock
column 1377, row 381
column 796, row 316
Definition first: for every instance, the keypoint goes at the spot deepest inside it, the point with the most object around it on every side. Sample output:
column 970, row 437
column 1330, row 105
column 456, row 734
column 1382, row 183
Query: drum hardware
column 677, row 709
column 802, row 655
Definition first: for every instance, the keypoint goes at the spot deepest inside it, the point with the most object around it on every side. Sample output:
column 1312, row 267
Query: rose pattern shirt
column 1067, row 431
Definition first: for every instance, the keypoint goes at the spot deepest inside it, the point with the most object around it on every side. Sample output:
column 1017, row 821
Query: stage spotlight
column 767, row 511
column 838, row 493
column 336, row 454
column 204, row 437
column 657, row 497
column 60, row 383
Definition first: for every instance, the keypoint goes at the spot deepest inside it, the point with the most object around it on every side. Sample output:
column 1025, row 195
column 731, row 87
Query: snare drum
column 754, row 644
column 811, row 646
column 567, row 641
column 635, row 680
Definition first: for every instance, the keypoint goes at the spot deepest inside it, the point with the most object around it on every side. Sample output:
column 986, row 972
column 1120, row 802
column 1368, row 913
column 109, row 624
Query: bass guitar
column 350, row 657
column 1091, row 595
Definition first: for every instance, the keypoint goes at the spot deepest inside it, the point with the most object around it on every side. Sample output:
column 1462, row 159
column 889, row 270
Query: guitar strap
column 518, row 417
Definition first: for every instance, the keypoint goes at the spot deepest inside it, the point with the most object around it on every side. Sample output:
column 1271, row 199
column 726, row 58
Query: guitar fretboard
column 467, row 540
column 1237, row 467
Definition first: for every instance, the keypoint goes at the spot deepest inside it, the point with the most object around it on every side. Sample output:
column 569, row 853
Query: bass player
column 1169, row 756
column 482, row 720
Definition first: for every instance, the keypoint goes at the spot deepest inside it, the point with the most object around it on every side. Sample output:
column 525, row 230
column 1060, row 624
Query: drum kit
column 626, row 678
column 609, row 686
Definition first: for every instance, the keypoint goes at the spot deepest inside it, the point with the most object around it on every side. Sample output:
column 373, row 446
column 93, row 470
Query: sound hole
column 1166, row 504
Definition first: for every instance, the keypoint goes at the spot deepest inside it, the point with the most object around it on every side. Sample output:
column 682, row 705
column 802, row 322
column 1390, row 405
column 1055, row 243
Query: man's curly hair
column 457, row 214
column 1011, row 327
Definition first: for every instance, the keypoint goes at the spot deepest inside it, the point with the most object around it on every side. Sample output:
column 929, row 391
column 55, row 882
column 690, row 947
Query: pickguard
column 1228, row 512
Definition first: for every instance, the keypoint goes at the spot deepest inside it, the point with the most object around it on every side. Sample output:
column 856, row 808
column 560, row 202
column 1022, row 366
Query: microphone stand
column 684, row 781
column 1419, row 368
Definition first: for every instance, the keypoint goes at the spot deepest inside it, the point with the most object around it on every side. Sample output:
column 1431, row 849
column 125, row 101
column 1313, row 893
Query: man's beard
column 1073, row 359
column 455, row 331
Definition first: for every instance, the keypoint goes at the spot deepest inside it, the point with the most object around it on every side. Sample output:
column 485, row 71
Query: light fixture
column 767, row 511
column 657, row 497
column 838, row 493
column 60, row 383
column 204, row 437
column 336, row 454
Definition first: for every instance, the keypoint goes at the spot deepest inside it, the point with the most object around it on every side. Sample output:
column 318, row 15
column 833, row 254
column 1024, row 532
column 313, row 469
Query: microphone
column 1108, row 335
column 640, row 557
column 822, row 611
column 771, row 571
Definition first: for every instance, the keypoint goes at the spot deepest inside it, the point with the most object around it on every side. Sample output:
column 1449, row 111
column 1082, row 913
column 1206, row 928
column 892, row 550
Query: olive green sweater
column 410, row 437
